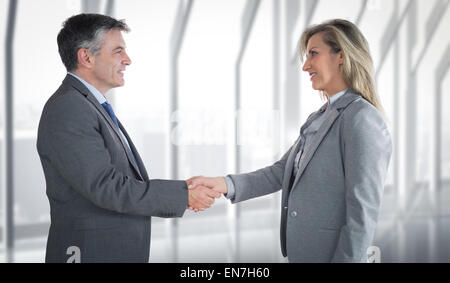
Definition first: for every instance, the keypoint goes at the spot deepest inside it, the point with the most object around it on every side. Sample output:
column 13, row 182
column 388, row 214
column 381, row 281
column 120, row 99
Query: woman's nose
column 306, row 66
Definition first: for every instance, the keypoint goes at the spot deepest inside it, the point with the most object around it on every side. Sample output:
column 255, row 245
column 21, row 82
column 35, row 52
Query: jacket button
column 285, row 207
column 294, row 214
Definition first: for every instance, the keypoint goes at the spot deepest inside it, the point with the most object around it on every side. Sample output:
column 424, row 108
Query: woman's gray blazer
column 329, row 210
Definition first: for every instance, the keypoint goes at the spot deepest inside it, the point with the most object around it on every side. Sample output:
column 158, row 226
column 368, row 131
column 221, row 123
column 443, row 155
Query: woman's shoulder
column 361, row 105
column 361, row 113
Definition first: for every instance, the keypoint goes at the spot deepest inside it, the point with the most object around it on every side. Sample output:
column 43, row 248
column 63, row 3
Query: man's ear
column 85, row 58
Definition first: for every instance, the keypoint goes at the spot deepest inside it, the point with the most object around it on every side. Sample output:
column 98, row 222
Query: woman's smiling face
column 323, row 66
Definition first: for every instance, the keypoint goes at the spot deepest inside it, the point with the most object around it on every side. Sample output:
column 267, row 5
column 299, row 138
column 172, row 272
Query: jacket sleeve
column 69, row 137
column 367, row 151
column 261, row 182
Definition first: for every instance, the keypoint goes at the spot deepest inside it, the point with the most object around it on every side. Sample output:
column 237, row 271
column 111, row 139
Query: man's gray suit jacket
column 100, row 202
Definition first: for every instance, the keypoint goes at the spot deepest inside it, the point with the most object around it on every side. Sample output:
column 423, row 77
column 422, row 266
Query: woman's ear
column 341, row 58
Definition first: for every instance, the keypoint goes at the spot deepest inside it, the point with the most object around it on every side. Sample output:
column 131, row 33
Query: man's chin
column 119, row 84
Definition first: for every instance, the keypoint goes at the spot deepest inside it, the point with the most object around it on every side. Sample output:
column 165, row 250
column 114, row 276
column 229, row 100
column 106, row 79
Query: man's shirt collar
column 97, row 94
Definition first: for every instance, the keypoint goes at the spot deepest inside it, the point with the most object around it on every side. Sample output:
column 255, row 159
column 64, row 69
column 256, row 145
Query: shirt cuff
column 230, row 187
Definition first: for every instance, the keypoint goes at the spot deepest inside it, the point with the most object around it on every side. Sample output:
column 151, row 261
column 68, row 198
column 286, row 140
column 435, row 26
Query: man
column 100, row 195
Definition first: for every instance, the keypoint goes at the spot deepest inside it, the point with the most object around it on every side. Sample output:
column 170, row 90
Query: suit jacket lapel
column 105, row 115
column 318, row 137
column 290, row 161
column 289, row 167
column 336, row 109
column 90, row 97
column 139, row 164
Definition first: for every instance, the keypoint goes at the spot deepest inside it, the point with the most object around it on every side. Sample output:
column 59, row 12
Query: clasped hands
column 203, row 191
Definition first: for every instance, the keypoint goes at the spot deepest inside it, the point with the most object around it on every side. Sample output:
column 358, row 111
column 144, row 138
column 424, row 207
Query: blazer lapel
column 90, row 97
column 336, row 109
column 105, row 115
column 288, row 170
column 140, row 164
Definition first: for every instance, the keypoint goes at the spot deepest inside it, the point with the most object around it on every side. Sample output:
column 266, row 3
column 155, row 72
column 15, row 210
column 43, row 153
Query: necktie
column 110, row 111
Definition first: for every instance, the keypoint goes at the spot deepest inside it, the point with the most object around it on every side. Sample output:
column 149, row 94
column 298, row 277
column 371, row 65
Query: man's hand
column 217, row 184
column 201, row 197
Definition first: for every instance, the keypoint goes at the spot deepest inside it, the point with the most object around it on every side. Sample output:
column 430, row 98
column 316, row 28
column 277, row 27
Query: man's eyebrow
column 118, row 47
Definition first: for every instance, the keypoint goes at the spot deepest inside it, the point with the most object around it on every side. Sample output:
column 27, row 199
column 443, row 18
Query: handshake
column 202, row 191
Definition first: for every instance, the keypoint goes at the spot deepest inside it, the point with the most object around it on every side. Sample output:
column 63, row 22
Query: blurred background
column 216, row 87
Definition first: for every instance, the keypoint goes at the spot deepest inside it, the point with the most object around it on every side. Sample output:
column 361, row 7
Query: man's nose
column 127, row 60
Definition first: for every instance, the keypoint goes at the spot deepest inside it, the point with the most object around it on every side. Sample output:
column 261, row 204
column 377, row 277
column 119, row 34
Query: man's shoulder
column 66, row 96
column 66, row 106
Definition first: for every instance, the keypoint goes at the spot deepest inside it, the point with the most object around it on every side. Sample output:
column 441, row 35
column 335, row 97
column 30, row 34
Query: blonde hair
column 342, row 35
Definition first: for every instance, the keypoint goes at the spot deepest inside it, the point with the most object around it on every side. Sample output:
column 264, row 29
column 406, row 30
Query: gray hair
column 96, row 43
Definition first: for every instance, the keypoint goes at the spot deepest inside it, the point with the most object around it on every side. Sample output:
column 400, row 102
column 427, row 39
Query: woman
column 332, row 178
